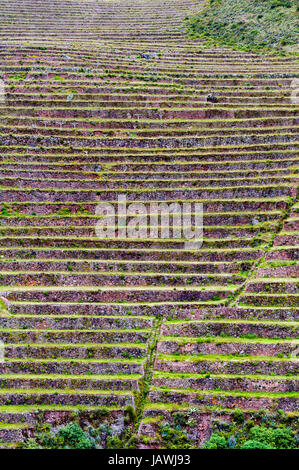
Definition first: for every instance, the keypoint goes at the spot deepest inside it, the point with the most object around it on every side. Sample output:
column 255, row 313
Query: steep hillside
column 249, row 24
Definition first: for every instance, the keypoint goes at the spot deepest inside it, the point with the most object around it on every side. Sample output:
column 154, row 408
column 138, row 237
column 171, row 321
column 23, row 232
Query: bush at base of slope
column 272, row 433
column 84, row 430
column 249, row 24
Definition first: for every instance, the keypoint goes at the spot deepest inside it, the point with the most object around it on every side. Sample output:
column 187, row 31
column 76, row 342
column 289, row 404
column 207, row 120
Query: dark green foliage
column 277, row 438
column 174, row 437
column 84, row 431
column 238, row 416
column 70, row 436
column 216, row 442
column 255, row 445
column 73, row 437
column 130, row 415
column 272, row 433
column 179, row 419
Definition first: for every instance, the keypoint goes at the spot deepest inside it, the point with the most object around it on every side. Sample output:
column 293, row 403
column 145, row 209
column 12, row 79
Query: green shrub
column 72, row 436
column 272, row 433
column 216, row 442
column 85, row 430
column 130, row 415
column 255, row 445
column 238, row 416
column 174, row 437
column 280, row 438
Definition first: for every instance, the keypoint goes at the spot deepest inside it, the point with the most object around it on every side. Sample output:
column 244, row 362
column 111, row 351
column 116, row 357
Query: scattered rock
column 212, row 98
column 149, row 55
column 118, row 425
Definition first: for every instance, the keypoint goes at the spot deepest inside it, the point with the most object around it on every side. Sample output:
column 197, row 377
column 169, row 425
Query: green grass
column 80, row 345
column 45, row 391
column 182, row 340
column 13, row 425
column 72, row 376
column 219, row 357
column 81, row 361
column 233, row 393
column 231, row 321
column 185, row 406
column 180, row 375
column 249, row 24
column 112, row 288
column 30, row 408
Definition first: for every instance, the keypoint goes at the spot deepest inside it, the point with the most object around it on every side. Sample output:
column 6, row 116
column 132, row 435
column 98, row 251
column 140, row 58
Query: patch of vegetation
column 173, row 435
column 100, row 430
column 85, row 430
column 271, row 433
column 267, row 25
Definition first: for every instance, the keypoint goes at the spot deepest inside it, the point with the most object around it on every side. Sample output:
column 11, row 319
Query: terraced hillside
column 109, row 97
